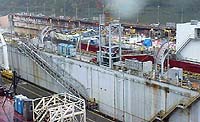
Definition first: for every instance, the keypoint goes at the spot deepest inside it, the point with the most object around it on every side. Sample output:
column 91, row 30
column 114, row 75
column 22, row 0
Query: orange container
column 195, row 85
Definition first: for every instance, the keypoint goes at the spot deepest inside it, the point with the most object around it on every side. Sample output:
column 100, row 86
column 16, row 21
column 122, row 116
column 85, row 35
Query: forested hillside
column 152, row 12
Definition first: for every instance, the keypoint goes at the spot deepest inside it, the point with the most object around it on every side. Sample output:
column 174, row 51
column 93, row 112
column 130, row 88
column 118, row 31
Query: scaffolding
column 108, row 50
column 59, row 108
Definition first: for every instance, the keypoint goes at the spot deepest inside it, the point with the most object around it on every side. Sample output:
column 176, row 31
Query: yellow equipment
column 5, row 72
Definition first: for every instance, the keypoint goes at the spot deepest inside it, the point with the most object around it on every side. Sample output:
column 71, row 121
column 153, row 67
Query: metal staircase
column 72, row 87
column 183, row 45
column 178, row 54
column 60, row 70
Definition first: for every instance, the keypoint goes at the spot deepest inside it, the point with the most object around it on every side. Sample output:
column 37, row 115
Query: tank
column 65, row 49
column 147, row 43
column 60, row 48
column 28, row 110
column 71, row 51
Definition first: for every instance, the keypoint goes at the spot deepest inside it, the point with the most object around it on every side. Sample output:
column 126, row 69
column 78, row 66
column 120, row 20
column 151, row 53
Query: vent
column 194, row 22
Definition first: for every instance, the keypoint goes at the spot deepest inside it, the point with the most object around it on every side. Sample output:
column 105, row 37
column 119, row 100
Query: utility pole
column 88, row 11
column 182, row 15
column 55, row 8
column 158, row 16
column 27, row 6
column 137, row 21
column 44, row 8
column 119, row 14
column 76, row 12
column 103, row 7
column 65, row 8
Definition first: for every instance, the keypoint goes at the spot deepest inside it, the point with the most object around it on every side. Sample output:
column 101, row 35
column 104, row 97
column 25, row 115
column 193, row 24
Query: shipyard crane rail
column 70, row 87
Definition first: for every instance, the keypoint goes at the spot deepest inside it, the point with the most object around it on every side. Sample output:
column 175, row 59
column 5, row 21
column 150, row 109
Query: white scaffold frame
column 61, row 107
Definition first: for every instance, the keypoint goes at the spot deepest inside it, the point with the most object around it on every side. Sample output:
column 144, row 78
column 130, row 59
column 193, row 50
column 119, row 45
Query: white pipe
column 43, row 33
column 5, row 52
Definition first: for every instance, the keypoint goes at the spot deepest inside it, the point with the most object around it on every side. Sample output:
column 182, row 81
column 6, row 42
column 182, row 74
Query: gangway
column 71, row 87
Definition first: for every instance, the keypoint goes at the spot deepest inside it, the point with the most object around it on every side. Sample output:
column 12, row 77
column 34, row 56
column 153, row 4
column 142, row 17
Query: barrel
column 28, row 110
column 147, row 43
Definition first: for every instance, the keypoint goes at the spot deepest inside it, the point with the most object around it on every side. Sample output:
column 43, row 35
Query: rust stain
column 166, row 89
column 155, row 86
column 155, row 97
column 35, row 72
column 195, row 85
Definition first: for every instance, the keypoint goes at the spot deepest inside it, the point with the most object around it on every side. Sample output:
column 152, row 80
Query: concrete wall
column 126, row 97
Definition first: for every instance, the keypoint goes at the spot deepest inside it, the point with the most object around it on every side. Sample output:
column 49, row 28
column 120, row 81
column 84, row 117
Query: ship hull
column 127, row 97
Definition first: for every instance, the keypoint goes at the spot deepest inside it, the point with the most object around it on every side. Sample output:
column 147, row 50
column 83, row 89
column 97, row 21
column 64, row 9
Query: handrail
column 50, row 70
column 184, row 43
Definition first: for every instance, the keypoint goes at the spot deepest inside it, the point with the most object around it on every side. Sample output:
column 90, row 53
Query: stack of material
column 134, row 64
column 67, row 50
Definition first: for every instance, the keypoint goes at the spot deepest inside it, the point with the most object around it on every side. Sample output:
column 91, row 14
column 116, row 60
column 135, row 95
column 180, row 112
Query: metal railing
column 57, row 66
column 72, row 88
column 189, row 38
